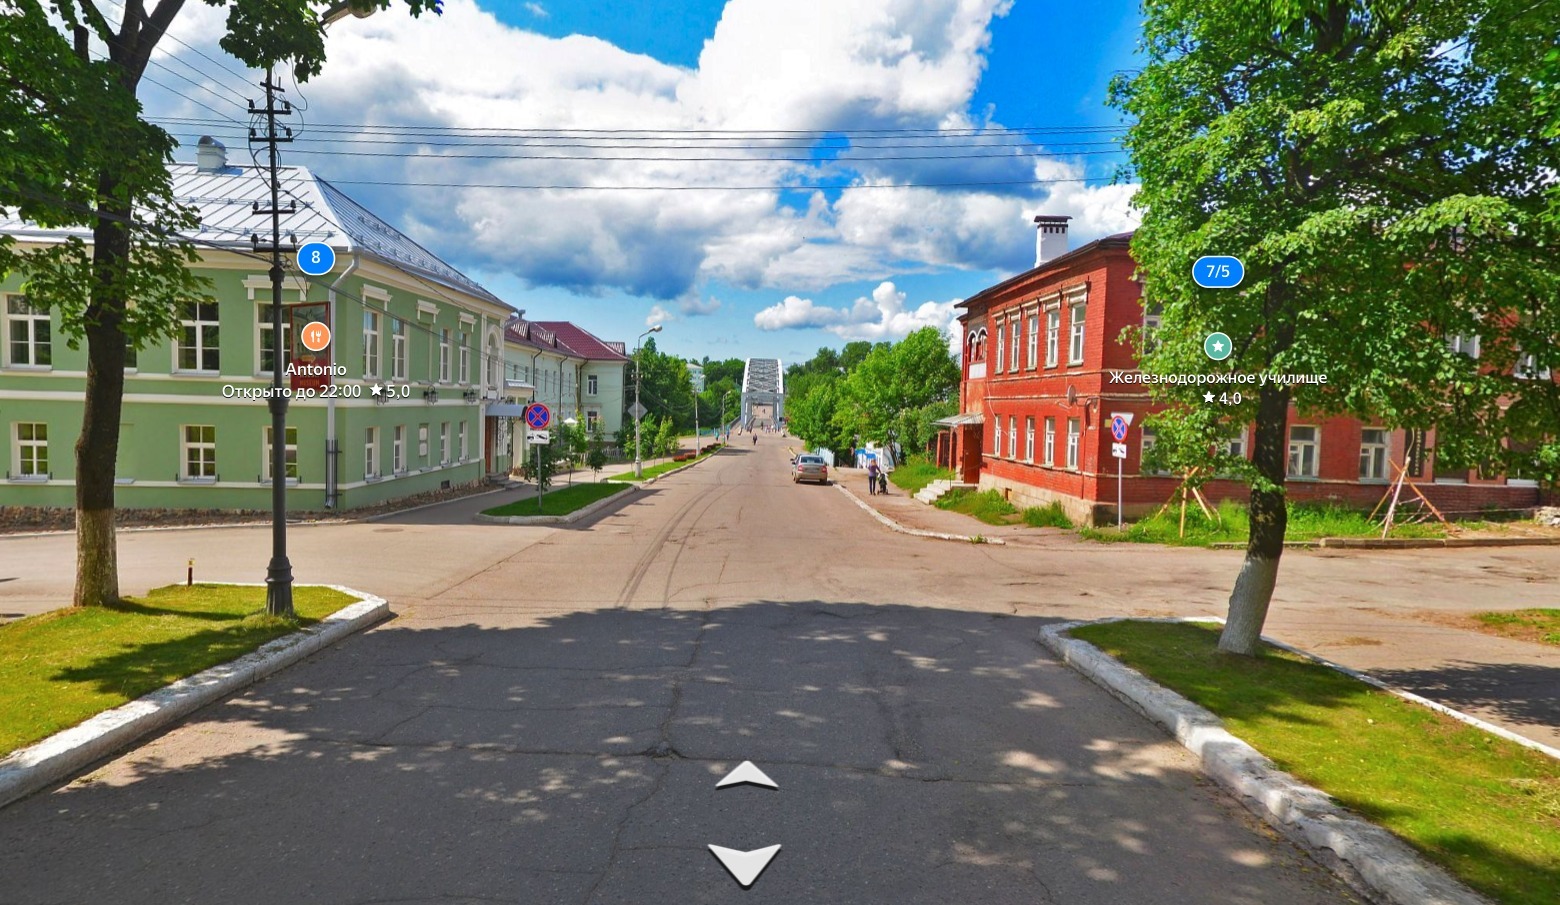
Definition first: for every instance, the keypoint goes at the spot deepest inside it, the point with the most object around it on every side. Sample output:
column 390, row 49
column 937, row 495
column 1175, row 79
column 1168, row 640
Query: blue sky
column 746, row 269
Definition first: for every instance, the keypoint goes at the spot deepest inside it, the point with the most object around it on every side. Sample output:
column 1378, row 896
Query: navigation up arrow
column 745, row 867
column 746, row 772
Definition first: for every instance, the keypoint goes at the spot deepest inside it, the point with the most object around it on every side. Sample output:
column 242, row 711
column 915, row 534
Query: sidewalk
column 910, row 512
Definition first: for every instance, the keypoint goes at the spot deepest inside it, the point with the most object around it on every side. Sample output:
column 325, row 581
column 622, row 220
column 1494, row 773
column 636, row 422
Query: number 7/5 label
column 316, row 259
column 1218, row 272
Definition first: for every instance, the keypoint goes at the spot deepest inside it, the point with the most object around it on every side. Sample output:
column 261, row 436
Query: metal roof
column 225, row 199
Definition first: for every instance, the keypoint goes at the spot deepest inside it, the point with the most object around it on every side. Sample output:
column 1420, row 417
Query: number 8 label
column 316, row 259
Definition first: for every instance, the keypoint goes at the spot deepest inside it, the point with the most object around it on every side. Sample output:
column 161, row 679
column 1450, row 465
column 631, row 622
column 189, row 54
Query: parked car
column 810, row 468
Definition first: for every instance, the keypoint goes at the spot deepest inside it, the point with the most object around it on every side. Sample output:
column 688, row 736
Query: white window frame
column 1373, row 454
column 30, row 320
column 30, row 452
column 1526, row 367
column 444, row 355
column 371, row 454
column 263, row 330
column 1001, row 349
column 1032, row 348
column 464, row 337
column 1050, row 440
column 291, row 452
column 465, row 450
column 1017, row 328
column 1012, row 436
column 1074, row 442
column 398, row 349
column 444, row 443
column 372, row 321
column 201, row 446
column 1464, row 345
column 592, row 385
column 1029, row 438
column 422, row 442
column 1077, row 321
column 398, row 450
column 197, row 325
column 996, row 445
column 1053, row 336
column 592, row 418
column 1299, row 447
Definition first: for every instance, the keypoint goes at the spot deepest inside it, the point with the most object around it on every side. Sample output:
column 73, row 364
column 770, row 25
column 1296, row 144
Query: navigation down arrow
column 745, row 866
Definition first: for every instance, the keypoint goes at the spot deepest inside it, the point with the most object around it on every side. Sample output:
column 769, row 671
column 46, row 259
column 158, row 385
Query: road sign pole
column 541, row 489
column 1119, row 462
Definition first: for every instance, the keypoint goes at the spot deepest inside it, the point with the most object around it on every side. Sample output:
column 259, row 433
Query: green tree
column 1373, row 165
column 79, row 154
column 881, row 393
column 596, row 455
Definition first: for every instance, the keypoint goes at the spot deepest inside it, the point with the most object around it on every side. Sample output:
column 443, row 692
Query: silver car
column 810, row 468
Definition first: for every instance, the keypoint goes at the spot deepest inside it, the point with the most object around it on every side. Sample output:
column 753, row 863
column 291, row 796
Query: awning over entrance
column 961, row 419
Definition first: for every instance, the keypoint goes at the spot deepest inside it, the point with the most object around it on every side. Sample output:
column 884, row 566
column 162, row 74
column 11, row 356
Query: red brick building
column 1036, row 403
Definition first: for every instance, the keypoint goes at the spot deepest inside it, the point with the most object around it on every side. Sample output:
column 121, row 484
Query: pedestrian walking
column 872, row 476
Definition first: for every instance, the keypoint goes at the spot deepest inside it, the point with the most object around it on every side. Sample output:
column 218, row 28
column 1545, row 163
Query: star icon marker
column 1208, row 396
column 376, row 390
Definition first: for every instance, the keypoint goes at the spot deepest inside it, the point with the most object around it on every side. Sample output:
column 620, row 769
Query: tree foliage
column 1374, row 165
column 888, row 391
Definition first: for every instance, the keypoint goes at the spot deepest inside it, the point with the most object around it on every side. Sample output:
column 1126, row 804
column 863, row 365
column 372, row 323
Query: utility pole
column 639, row 464
column 278, row 573
column 696, row 425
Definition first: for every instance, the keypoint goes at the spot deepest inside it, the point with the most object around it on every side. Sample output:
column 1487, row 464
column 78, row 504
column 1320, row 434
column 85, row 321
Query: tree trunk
column 97, row 449
column 1269, row 516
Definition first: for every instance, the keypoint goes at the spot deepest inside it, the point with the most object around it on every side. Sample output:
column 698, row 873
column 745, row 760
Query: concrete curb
column 568, row 518
column 66, row 753
column 667, row 474
column 1374, row 862
column 916, row 532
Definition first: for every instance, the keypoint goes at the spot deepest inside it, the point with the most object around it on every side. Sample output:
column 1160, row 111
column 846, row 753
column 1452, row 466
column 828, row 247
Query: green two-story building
column 416, row 348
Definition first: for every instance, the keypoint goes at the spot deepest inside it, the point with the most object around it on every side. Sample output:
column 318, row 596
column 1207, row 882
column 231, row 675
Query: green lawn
column 661, row 469
column 1484, row 808
column 1307, row 521
column 1539, row 625
column 986, row 505
column 558, row 501
column 915, row 474
column 58, row 669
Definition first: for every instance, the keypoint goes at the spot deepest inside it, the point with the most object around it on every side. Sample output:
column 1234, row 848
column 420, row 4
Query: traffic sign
column 1119, row 422
column 1119, row 450
column 538, row 438
column 537, row 417
column 637, row 410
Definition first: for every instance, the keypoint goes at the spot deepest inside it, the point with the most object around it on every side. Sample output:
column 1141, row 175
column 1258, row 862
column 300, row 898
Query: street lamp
column 639, row 410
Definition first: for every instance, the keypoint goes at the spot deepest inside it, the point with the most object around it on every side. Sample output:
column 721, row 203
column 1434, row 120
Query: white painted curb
column 576, row 515
column 917, row 532
column 66, row 753
column 1374, row 862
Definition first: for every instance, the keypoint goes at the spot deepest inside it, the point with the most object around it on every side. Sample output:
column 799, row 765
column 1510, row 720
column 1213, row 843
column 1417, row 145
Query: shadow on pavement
column 1520, row 693
column 923, row 756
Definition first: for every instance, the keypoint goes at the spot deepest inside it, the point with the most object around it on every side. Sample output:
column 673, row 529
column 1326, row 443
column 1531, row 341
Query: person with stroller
column 873, row 473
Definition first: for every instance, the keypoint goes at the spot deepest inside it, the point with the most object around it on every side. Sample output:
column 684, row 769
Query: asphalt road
column 547, row 717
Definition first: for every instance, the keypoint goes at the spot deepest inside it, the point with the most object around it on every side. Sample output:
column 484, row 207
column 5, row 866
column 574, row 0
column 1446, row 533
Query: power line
column 408, row 155
column 713, row 188
column 667, row 133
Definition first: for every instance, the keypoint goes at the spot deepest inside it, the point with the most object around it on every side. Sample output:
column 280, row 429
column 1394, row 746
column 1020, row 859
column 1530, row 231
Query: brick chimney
column 210, row 155
column 1050, row 238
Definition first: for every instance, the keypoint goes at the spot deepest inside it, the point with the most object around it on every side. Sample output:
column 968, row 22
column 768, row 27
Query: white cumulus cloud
column 881, row 316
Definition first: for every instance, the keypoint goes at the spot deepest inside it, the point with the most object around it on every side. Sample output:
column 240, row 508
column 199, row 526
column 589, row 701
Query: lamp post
column 639, row 463
column 723, row 409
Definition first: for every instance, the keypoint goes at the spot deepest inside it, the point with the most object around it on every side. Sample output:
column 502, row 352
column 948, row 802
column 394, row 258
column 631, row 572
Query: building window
column 1001, row 349
column 465, row 356
column 1029, row 437
column 1527, row 368
column 1073, row 432
column 592, row 386
column 197, row 346
column 1153, row 316
column 444, row 443
column 493, row 363
column 1013, row 362
column 1302, row 452
column 1464, row 345
column 28, row 331
column 422, row 442
column 30, row 458
column 996, row 437
column 268, row 342
column 1374, row 446
column 397, row 349
column 592, row 419
column 1053, row 331
column 444, row 356
column 370, row 344
column 1033, row 349
column 1050, row 441
column 371, row 453
column 1012, row 436
column 200, row 452
column 1149, row 438
column 398, row 449
column 464, row 450
column 1237, row 445
column 290, row 451
column 1075, row 322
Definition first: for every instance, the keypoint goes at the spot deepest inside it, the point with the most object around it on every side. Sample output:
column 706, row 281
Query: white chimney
column 1050, row 239
column 210, row 155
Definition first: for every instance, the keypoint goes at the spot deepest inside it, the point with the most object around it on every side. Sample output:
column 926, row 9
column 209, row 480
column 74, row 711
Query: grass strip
column 913, row 476
column 1307, row 521
column 986, row 505
column 1483, row 808
column 560, row 501
column 60, row 668
column 1538, row 625
column 661, row 469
